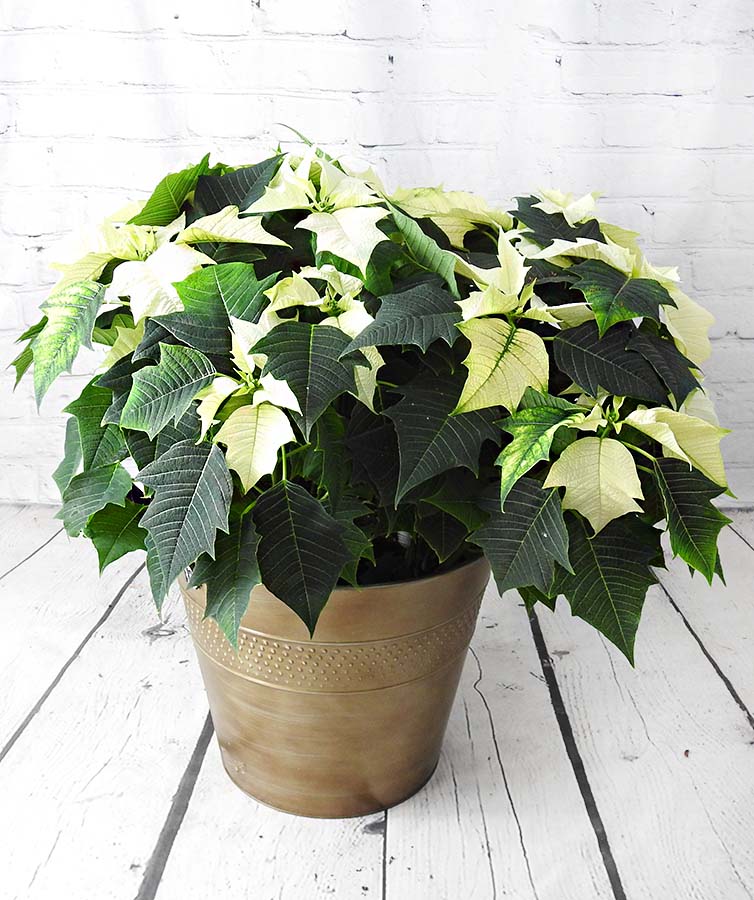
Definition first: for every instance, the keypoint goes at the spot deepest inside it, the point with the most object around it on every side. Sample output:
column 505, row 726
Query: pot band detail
column 332, row 667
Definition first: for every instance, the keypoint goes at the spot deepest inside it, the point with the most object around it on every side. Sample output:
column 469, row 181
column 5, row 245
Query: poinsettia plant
column 309, row 381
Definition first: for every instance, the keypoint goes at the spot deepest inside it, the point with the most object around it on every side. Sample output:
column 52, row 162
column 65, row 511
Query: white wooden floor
column 565, row 776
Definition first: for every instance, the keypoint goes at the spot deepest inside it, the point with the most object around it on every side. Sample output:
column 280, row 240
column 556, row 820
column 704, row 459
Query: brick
column 324, row 119
column 627, row 123
column 640, row 175
column 638, row 71
column 714, row 125
column 696, row 223
column 388, row 19
column 290, row 17
column 438, row 70
column 566, row 21
column 644, row 22
column 722, row 270
column 212, row 116
column 732, row 176
column 391, row 123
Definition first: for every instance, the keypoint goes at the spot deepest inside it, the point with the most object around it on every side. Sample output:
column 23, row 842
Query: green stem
column 284, row 464
column 638, row 450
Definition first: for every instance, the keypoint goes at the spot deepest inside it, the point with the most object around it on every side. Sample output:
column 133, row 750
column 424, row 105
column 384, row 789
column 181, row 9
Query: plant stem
column 284, row 464
column 638, row 450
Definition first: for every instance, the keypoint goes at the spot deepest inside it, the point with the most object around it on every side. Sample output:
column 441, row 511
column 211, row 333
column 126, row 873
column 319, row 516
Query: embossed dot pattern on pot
column 335, row 667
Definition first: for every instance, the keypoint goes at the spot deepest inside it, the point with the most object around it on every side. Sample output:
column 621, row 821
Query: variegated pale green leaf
column 253, row 435
column 293, row 291
column 689, row 323
column 289, row 189
column 126, row 341
column 226, row 226
column 503, row 362
column 162, row 393
column 588, row 248
column 684, row 437
column 71, row 312
column 574, row 209
column 600, row 478
column 89, row 492
column 212, row 397
column 277, row 392
column 350, row 233
column 149, row 283
column 170, row 195
column 489, row 302
column 425, row 251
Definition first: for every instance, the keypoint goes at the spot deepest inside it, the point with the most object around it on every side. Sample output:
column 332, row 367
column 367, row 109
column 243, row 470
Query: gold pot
column 352, row 721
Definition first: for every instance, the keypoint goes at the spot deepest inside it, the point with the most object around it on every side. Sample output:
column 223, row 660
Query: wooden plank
column 88, row 785
column 743, row 523
column 504, row 804
column 722, row 617
column 25, row 528
column 47, row 607
column 247, row 850
column 668, row 754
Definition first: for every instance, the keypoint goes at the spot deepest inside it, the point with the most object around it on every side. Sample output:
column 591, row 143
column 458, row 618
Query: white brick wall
column 650, row 102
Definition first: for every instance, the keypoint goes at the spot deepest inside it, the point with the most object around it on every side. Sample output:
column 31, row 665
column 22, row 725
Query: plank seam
column 739, row 535
column 574, row 757
column 504, row 776
column 384, row 858
column 155, row 868
column 58, row 678
column 33, row 553
column 712, row 661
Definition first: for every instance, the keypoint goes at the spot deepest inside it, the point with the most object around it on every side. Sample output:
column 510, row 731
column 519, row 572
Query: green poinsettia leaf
column 430, row 439
column 616, row 297
column 503, row 362
column 525, row 539
column 533, row 430
column 610, row 576
column 667, row 360
column 463, row 496
column 71, row 312
column 25, row 358
column 425, row 251
column 171, row 193
column 308, row 358
column 356, row 541
column 163, row 393
column 114, row 530
column 240, row 188
column 418, row 316
column 203, row 323
column 155, row 334
column 231, row 576
column 693, row 522
column 373, row 446
column 71, row 461
column 444, row 533
column 531, row 596
column 333, row 464
column 595, row 362
column 89, row 492
column 192, row 490
column 544, row 228
column 100, row 444
column 301, row 551
column 157, row 579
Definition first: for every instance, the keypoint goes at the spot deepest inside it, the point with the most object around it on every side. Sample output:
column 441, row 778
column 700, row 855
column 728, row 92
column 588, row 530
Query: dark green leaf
column 164, row 392
column 192, row 490
column 231, row 575
column 356, row 541
column 25, row 358
column 443, row 532
column 71, row 311
column 203, row 323
column 72, row 456
column 418, row 316
column 610, row 576
column 91, row 491
column 548, row 227
column 308, row 358
column 531, row 596
column 335, row 470
column 240, row 188
column 373, row 445
column 615, row 297
column 593, row 362
column 693, row 522
column 115, row 531
column 430, row 440
column 171, row 193
column 425, row 251
column 154, row 335
column 668, row 361
column 461, row 495
column 301, row 551
column 229, row 287
column 157, row 580
column 525, row 540
column 100, row 445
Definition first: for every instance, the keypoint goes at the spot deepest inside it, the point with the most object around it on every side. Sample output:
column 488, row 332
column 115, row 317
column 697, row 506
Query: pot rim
column 381, row 585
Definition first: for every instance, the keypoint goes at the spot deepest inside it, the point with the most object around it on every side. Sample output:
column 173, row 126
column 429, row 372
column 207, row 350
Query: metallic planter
column 352, row 721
